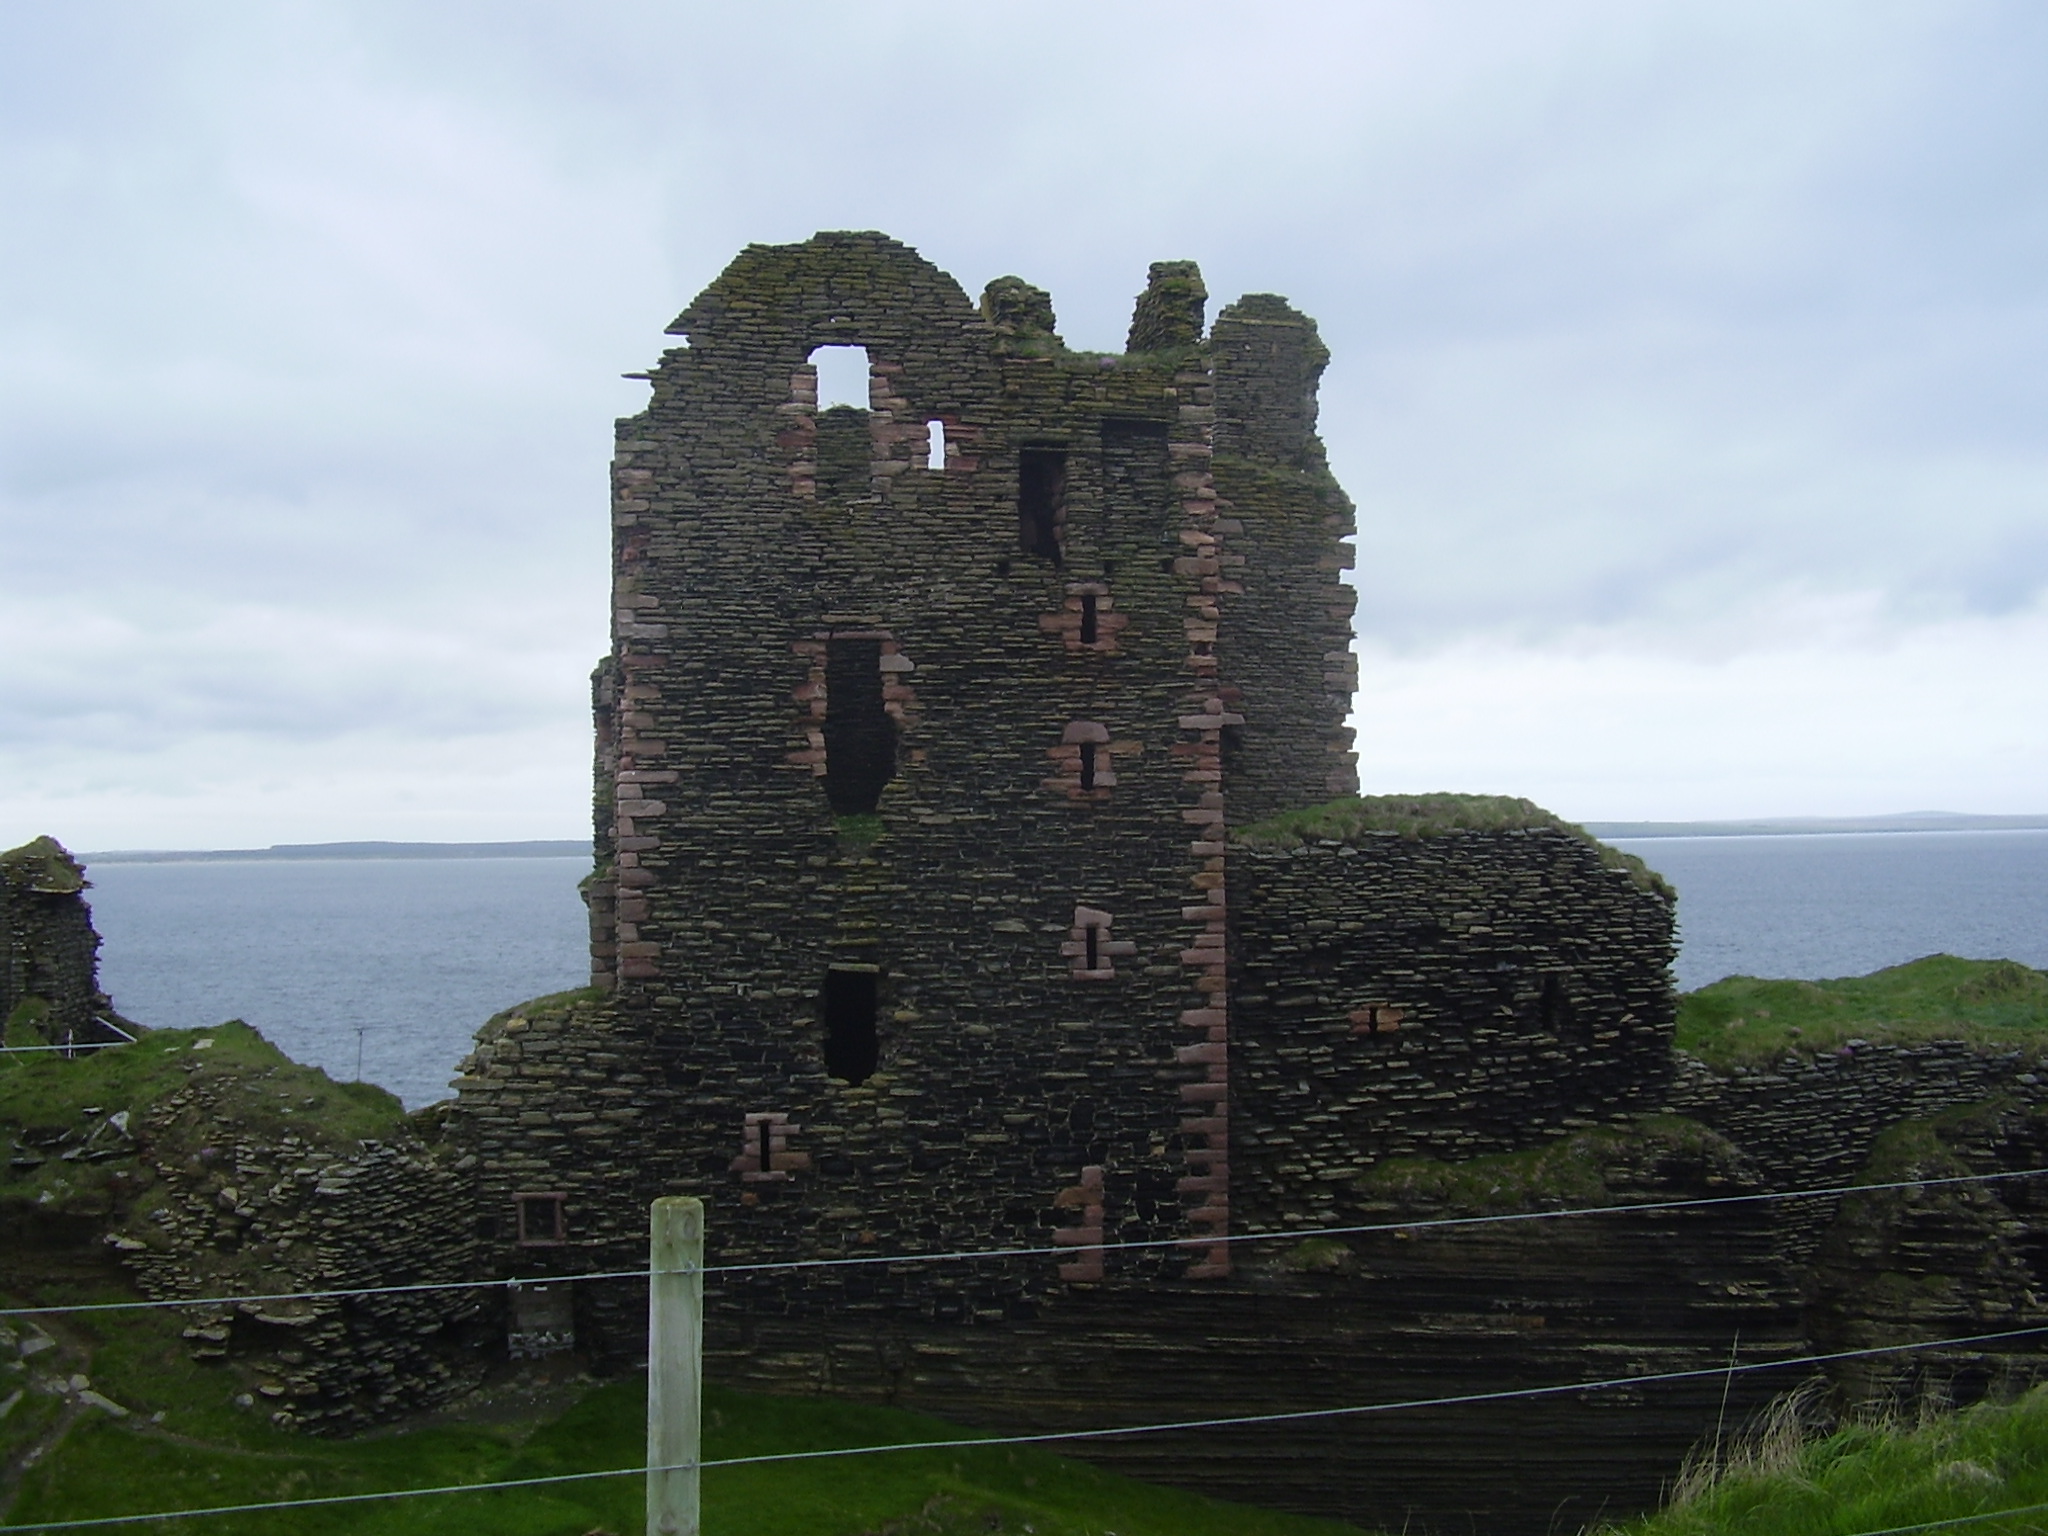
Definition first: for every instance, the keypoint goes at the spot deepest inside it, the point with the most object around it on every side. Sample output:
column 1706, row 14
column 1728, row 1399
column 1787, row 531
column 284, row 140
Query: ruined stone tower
column 923, row 918
column 924, row 723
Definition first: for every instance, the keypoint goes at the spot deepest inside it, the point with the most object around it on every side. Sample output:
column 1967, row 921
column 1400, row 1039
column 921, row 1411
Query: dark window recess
column 1090, row 624
column 541, row 1218
column 762, row 1137
column 1093, row 936
column 1554, row 1011
column 860, row 738
column 1042, row 502
column 1088, row 773
column 852, row 1047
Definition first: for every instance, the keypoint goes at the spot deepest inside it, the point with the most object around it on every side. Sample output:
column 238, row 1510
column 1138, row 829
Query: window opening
column 842, row 377
column 541, row 1219
column 852, row 1048
column 935, row 453
column 1554, row 1011
column 1089, row 623
column 1094, row 941
column 1041, row 501
column 764, row 1147
column 860, row 738
column 1088, row 770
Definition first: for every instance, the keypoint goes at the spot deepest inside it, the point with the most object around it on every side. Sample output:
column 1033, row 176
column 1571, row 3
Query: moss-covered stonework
column 918, row 917
column 202, row 1163
column 49, row 982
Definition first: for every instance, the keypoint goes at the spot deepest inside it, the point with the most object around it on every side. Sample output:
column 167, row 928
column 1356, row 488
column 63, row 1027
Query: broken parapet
column 49, row 984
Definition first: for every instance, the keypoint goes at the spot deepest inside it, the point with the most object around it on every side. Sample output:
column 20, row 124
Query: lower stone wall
column 1813, row 1118
column 1438, row 996
column 193, row 1203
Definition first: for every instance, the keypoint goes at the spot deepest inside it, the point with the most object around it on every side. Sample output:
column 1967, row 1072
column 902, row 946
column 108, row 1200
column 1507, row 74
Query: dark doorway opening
column 852, row 1048
column 860, row 738
column 1042, row 502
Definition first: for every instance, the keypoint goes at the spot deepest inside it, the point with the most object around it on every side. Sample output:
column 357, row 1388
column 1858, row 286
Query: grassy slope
column 206, row 1454
column 1743, row 1019
column 1872, row 1479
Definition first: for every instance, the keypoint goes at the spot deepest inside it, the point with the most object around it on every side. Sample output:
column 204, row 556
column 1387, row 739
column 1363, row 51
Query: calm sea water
column 1847, row 903
column 398, row 959
column 402, row 959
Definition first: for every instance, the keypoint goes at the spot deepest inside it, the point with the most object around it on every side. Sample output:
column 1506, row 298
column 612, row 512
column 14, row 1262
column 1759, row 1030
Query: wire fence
column 1068, row 1436
column 1061, row 1250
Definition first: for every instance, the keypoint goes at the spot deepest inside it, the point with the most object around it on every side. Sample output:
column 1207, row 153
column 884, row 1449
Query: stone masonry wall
column 1813, row 1118
column 1036, row 905
column 1439, row 996
column 47, row 943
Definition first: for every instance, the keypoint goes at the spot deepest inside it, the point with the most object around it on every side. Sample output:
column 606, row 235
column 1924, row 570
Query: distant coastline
column 541, row 848
column 563, row 848
column 1785, row 826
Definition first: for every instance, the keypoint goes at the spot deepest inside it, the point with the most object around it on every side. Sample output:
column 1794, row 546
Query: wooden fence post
column 675, row 1371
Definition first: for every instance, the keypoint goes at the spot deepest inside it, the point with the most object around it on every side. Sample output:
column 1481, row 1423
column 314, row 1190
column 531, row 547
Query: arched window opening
column 852, row 1046
column 860, row 737
column 843, row 377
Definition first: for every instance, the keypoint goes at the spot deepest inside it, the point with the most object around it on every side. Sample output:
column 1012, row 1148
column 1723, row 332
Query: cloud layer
column 1686, row 367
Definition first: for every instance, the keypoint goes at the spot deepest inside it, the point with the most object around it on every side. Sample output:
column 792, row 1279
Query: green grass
column 1870, row 1477
column 207, row 1453
column 1591, row 1168
column 1415, row 816
column 262, row 1090
column 1743, row 1019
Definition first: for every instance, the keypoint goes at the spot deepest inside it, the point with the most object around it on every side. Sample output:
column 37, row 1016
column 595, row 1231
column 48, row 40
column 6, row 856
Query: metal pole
column 675, row 1371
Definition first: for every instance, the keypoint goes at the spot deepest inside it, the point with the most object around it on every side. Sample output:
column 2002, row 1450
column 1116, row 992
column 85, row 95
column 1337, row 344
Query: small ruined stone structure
column 920, row 750
column 49, row 982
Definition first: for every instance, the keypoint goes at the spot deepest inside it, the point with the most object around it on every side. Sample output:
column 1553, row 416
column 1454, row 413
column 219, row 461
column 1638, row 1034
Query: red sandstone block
column 1202, row 1184
column 639, row 970
column 1217, row 1124
column 1204, row 1018
column 1086, row 1269
column 1215, row 1213
column 640, row 950
column 1197, row 1093
column 1209, row 1270
column 1077, row 1237
column 1197, row 1055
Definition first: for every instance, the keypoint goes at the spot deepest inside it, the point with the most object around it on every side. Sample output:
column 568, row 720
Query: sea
column 383, row 968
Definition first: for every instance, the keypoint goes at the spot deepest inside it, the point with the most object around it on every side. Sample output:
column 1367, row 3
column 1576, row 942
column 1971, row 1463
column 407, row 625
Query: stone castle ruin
column 922, row 913
column 920, row 751
column 980, row 872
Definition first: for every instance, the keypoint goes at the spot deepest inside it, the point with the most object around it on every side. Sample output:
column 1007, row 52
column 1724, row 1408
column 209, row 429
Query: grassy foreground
column 1871, row 1478
column 184, row 1444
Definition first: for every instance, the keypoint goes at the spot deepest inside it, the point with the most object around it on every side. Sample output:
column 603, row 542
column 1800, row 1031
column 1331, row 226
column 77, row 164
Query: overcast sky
column 1687, row 367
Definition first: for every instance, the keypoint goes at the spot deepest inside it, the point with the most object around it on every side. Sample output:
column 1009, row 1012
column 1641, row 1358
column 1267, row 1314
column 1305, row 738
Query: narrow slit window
column 852, row 1047
column 764, row 1145
column 1094, row 943
column 1088, row 771
column 842, row 377
column 1042, row 502
column 1090, row 624
column 935, row 450
column 860, row 736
